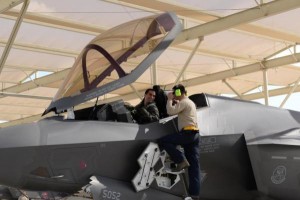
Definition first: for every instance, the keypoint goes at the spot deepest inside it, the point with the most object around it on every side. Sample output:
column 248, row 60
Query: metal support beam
column 276, row 62
column 6, row 94
column 8, row 4
column 13, row 34
column 61, row 75
column 153, row 74
column 249, row 15
column 286, row 60
column 28, row 76
column 290, row 92
column 278, row 52
column 135, row 91
column 233, row 66
column 258, row 4
column 189, row 60
column 74, row 26
column 236, row 92
column 31, row 68
column 293, row 52
column 266, row 91
column 272, row 8
column 215, row 24
column 42, row 49
column 189, row 12
column 131, row 96
column 272, row 93
column 54, row 22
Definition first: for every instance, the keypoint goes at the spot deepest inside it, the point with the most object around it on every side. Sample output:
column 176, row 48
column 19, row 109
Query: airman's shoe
column 192, row 198
column 195, row 197
column 180, row 166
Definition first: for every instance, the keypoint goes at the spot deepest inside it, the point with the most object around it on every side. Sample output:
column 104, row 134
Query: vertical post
column 154, row 73
column 266, row 91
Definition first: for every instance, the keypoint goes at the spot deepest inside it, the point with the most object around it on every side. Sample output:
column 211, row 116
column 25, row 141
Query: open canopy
column 100, row 68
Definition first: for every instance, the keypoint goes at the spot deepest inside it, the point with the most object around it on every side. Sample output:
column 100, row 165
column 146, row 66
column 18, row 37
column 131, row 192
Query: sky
column 293, row 103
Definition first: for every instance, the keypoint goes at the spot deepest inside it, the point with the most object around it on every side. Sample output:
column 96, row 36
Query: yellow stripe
column 190, row 128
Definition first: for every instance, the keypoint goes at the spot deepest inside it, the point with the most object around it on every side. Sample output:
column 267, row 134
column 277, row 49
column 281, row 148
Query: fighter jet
column 248, row 151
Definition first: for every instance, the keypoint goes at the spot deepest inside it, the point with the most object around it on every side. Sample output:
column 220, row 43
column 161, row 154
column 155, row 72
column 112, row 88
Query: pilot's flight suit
column 145, row 114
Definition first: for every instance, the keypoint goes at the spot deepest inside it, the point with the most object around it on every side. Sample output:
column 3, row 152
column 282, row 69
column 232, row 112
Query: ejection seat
column 114, row 111
column 161, row 101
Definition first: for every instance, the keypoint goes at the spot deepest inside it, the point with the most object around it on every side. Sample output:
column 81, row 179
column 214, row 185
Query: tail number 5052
column 108, row 194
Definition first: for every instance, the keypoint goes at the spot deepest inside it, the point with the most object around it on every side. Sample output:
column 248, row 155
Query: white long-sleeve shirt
column 186, row 111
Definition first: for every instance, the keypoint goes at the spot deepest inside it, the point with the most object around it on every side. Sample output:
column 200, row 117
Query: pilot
column 188, row 137
column 146, row 111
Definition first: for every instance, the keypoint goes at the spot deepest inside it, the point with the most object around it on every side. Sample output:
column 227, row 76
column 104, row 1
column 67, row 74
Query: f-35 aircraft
column 248, row 151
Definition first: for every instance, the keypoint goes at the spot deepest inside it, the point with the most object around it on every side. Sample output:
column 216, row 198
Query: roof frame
column 54, row 22
column 8, row 4
column 13, row 34
column 202, row 17
column 223, row 75
column 230, row 21
column 41, row 49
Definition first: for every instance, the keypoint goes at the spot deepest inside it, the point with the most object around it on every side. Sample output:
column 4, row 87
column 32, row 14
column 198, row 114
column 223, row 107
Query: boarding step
column 155, row 165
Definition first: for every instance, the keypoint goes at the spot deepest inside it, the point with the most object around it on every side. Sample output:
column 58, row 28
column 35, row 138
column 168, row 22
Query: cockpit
column 113, row 111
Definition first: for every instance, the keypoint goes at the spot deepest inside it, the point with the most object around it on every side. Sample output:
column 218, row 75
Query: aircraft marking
column 209, row 145
column 279, row 157
column 82, row 164
column 109, row 194
column 279, row 174
column 203, row 175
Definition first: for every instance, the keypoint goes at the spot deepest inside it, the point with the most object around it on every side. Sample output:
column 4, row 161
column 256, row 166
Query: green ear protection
column 177, row 93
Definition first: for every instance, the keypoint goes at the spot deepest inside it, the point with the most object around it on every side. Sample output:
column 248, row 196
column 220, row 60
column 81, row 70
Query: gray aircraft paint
column 217, row 149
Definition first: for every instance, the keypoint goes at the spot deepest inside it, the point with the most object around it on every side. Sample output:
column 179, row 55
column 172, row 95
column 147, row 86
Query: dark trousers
column 189, row 140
